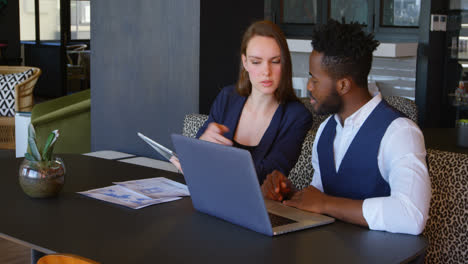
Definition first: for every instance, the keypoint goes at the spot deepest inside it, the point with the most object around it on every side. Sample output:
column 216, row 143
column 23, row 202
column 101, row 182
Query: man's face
column 324, row 96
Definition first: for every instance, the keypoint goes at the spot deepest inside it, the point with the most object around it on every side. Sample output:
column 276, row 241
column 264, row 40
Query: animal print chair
column 447, row 226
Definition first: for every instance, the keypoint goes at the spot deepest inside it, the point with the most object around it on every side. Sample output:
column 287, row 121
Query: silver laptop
column 223, row 182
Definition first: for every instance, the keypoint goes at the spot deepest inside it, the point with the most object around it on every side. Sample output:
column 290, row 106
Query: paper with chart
column 126, row 197
column 156, row 188
column 140, row 193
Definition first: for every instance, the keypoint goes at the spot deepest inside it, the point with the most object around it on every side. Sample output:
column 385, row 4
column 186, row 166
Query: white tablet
column 165, row 152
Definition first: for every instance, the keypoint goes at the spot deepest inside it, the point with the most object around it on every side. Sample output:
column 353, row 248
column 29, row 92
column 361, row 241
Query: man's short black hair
column 347, row 50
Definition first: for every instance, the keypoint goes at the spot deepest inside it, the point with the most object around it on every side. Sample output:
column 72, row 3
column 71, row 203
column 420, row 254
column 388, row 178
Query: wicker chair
column 23, row 103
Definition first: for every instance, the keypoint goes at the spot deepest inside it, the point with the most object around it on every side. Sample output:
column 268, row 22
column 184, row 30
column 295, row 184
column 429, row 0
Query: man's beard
column 331, row 105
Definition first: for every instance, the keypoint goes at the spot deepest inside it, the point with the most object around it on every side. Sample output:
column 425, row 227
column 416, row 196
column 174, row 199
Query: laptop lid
column 222, row 182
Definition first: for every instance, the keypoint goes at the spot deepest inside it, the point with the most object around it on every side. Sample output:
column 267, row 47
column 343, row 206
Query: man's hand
column 313, row 200
column 214, row 133
column 277, row 186
column 309, row 199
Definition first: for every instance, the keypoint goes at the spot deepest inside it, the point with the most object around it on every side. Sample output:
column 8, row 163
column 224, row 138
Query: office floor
column 12, row 253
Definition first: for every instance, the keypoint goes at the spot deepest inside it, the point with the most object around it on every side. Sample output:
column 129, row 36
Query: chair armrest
column 61, row 105
column 61, row 113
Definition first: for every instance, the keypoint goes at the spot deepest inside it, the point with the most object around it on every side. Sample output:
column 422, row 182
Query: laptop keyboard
column 277, row 220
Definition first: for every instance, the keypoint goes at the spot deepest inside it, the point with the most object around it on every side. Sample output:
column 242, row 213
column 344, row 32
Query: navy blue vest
column 358, row 176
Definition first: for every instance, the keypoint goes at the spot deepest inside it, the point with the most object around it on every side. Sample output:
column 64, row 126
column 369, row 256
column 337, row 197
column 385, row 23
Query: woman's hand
column 277, row 187
column 214, row 133
column 175, row 161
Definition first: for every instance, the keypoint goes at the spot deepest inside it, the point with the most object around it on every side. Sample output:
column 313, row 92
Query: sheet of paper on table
column 158, row 187
column 140, row 193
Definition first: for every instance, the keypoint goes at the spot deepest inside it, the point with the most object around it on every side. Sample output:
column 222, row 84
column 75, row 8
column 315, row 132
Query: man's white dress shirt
column 402, row 164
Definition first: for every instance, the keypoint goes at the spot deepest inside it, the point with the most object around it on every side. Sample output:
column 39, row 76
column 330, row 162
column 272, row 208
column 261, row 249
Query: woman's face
column 263, row 63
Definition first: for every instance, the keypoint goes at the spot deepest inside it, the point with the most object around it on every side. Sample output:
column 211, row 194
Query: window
column 27, row 28
column 80, row 19
column 401, row 13
column 389, row 20
column 49, row 20
column 41, row 20
column 350, row 11
column 296, row 17
column 299, row 12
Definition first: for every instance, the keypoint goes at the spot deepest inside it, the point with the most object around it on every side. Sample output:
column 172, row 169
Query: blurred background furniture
column 23, row 98
column 65, row 259
column 71, row 115
column 78, row 67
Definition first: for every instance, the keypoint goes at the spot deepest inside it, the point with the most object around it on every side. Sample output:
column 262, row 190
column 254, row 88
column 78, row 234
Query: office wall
column 222, row 24
column 144, row 71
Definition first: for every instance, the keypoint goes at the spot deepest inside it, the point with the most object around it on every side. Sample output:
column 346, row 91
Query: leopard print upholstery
column 447, row 225
column 404, row 105
column 302, row 172
column 192, row 123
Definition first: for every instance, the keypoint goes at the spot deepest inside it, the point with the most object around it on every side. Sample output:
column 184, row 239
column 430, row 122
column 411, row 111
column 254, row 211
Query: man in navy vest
column 369, row 159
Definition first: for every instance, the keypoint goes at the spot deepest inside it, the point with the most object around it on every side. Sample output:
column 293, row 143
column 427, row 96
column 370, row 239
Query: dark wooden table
column 172, row 232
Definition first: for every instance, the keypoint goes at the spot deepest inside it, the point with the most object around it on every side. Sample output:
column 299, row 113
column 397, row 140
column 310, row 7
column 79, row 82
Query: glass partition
column 401, row 13
column 299, row 11
column 349, row 10
column 80, row 19
column 49, row 20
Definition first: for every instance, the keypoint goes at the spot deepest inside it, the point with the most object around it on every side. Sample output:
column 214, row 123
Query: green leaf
column 33, row 148
column 47, row 145
column 47, row 153
column 29, row 157
column 31, row 131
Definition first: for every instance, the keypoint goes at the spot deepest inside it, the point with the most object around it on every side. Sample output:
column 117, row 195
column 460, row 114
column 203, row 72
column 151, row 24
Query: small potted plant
column 41, row 174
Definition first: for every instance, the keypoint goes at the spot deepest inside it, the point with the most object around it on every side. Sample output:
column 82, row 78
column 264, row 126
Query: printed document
column 140, row 193
column 156, row 187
